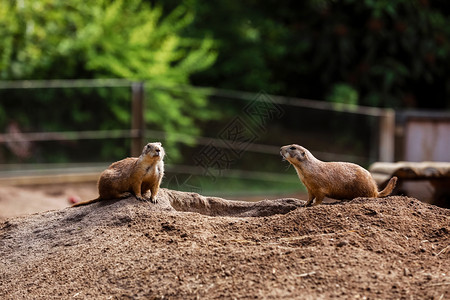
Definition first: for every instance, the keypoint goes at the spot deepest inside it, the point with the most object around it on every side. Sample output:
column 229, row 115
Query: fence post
column 387, row 136
column 137, row 118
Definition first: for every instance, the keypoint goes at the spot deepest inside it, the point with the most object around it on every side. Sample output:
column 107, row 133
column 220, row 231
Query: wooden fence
column 138, row 132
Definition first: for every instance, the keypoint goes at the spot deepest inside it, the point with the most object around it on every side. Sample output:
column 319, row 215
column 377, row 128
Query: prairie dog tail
column 86, row 202
column 389, row 187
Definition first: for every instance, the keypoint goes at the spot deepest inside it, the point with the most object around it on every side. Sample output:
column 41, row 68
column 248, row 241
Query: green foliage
column 125, row 39
column 342, row 93
column 393, row 52
column 46, row 39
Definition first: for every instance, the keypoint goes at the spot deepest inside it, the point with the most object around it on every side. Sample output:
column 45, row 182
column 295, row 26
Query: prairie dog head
column 295, row 154
column 154, row 150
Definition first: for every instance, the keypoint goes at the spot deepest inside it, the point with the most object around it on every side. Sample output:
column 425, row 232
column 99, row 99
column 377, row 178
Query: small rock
column 167, row 227
column 342, row 243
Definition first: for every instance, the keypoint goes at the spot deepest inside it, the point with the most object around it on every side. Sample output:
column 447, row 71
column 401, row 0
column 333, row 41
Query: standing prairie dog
column 132, row 175
column 337, row 180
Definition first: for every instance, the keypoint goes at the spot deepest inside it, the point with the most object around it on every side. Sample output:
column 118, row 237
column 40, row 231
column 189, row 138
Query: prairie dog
column 132, row 175
column 337, row 180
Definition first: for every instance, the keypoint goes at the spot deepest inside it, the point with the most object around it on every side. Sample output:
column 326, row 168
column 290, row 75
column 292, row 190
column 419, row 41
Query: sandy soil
column 193, row 247
column 16, row 201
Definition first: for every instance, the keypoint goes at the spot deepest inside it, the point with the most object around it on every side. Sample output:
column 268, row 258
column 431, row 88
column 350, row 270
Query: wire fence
column 239, row 150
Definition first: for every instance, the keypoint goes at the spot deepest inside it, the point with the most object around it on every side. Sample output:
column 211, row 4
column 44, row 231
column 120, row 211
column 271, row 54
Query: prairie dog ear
column 301, row 155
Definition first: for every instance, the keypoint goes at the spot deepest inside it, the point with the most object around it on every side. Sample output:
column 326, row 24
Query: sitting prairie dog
column 132, row 175
column 337, row 180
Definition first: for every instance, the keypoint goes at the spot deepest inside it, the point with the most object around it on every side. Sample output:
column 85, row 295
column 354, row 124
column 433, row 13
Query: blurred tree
column 47, row 39
column 392, row 53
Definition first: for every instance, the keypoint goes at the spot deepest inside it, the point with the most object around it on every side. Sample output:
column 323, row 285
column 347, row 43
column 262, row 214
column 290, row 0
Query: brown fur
column 337, row 180
column 132, row 175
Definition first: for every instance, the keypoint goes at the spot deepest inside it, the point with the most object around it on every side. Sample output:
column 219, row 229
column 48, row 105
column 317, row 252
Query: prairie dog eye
column 292, row 148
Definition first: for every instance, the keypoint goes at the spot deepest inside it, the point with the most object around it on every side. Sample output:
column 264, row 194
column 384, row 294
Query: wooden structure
column 428, row 181
column 427, row 138
column 137, row 118
column 136, row 132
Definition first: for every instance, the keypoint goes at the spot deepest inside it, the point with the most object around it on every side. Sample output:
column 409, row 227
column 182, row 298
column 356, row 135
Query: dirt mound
column 188, row 246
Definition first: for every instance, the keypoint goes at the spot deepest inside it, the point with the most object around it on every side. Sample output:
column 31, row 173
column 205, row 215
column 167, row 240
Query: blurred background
column 222, row 85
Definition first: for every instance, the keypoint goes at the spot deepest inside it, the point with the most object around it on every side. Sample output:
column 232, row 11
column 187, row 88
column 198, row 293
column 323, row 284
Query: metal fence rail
column 138, row 131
